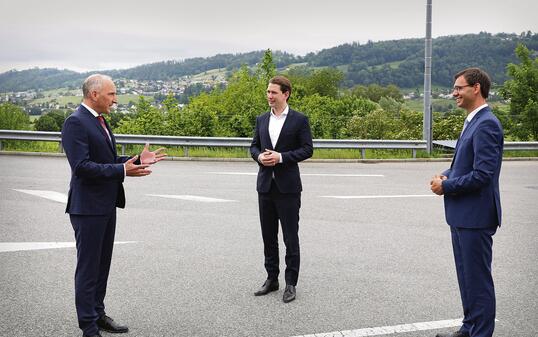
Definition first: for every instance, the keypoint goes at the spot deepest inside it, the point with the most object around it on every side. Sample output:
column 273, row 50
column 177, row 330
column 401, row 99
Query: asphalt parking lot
column 375, row 252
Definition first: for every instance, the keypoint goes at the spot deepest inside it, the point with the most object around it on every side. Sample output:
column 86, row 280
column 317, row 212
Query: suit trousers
column 473, row 255
column 275, row 206
column 94, row 235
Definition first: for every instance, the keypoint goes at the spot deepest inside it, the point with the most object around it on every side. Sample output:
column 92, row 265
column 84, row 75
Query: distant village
column 37, row 102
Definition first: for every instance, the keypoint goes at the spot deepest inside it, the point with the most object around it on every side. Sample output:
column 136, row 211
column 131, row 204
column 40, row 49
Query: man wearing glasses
column 472, row 202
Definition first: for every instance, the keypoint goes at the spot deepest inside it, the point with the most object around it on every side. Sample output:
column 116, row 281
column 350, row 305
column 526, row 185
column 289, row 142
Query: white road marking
column 304, row 174
column 388, row 330
column 378, row 196
column 51, row 195
column 190, row 198
column 20, row 246
column 236, row 173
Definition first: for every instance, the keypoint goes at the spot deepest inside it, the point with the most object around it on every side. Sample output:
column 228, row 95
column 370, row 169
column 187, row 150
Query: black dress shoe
column 268, row 286
column 289, row 293
column 98, row 335
column 107, row 324
column 453, row 334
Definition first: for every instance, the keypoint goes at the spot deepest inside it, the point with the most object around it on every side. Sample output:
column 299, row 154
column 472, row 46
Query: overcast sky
column 99, row 34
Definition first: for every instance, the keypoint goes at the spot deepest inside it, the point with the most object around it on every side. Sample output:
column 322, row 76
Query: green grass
column 28, row 146
column 231, row 152
column 208, row 152
column 63, row 101
column 516, row 154
column 392, row 65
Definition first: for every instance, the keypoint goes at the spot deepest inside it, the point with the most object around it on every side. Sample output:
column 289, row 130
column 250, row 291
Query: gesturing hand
column 133, row 170
column 151, row 157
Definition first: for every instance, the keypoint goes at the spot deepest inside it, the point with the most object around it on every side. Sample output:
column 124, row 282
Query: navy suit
column 95, row 190
column 473, row 211
column 279, row 189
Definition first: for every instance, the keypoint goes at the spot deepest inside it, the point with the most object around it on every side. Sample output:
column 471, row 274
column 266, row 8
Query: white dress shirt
column 275, row 127
column 475, row 111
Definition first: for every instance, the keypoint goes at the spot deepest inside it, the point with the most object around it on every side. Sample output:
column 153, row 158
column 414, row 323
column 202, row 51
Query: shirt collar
column 93, row 112
column 283, row 114
column 475, row 111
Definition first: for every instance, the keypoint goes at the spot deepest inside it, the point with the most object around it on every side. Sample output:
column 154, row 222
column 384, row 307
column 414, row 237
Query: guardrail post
column 60, row 147
column 123, row 149
column 186, row 151
column 414, row 153
column 363, row 153
column 0, row 145
column 248, row 153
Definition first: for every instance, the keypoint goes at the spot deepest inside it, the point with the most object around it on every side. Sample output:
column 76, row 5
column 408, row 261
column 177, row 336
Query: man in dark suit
column 472, row 202
column 96, row 189
column 282, row 138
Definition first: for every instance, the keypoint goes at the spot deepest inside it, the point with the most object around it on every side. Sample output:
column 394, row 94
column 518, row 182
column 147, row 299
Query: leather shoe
column 289, row 293
column 107, row 324
column 268, row 286
column 98, row 335
column 453, row 334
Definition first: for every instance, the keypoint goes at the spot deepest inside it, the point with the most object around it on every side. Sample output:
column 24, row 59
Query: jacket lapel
column 112, row 138
column 471, row 124
column 85, row 112
column 264, row 129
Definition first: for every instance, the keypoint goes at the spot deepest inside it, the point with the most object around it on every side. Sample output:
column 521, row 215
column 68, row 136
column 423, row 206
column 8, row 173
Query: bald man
column 96, row 189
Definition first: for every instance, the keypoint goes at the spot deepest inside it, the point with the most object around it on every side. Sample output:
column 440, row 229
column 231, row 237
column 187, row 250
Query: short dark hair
column 474, row 76
column 283, row 82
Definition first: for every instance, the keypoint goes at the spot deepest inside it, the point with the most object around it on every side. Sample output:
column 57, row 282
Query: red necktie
column 102, row 122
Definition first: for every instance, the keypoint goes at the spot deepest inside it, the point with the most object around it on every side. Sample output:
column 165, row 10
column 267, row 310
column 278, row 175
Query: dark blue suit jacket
column 97, row 172
column 472, row 198
column 295, row 145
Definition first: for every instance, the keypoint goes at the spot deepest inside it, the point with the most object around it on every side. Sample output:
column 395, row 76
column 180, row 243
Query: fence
column 187, row 142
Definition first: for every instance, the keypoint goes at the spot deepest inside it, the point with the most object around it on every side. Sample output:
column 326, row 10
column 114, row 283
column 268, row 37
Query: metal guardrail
column 508, row 146
column 187, row 142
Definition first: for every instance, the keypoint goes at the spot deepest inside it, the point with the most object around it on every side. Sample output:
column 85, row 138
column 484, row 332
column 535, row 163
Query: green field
column 63, row 101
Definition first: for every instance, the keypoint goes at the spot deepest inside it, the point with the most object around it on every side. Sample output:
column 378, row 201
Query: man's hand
column 133, row 170
column 269, row 158
column 436, row 184
column 147, row 157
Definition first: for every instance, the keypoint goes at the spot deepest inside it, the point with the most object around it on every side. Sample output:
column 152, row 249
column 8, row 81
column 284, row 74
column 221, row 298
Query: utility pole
column 427, row 118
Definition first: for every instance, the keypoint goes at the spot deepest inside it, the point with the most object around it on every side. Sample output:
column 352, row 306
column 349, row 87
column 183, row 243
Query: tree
column 147, row 120
column 522, row 90
column 266, row 68
column 51, row 121
column 13, row 117
column 325, row 82
column 375, row 92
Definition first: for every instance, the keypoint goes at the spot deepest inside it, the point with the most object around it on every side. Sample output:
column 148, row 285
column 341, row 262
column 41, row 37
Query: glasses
column 457, row 88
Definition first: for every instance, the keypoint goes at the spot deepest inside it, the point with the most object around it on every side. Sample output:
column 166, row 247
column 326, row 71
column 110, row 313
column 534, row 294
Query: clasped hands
column 269, row 158
column 436, row 184
column 147, row 158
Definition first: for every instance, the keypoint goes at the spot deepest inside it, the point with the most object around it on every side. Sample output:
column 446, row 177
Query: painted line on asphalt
column 50, row 195
column 388, row 330
column 236, row 173
column 20, row 246
column 378, row 196
column 190, row 198
column 304, row 174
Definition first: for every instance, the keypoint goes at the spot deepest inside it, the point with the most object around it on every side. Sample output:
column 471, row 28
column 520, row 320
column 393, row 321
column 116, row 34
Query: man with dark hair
column 96, row 189
column 472, row 202
column 282, row 138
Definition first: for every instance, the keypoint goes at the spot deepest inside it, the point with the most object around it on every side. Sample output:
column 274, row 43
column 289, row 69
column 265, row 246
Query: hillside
column 398, row 62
